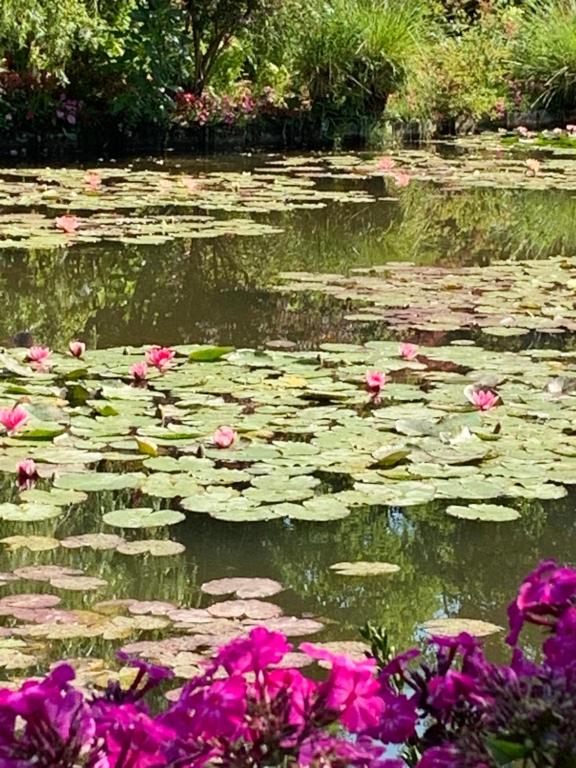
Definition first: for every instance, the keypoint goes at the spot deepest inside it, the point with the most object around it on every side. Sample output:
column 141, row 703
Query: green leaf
column 209, row 354
column 142, row 517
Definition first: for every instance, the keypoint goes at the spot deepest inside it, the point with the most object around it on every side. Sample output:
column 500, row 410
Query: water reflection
column 221, row 289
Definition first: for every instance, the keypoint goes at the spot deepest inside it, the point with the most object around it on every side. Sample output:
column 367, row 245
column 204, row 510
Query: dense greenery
column 95, row 69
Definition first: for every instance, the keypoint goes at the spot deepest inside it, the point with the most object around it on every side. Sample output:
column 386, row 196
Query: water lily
column 375, row 381
column 386, row 164
column 39, row 356
column 484, row 399
column 408, row 351
column 27, row 472
column 160, row 357
column 66, row 223
column 93, row 180
column 77, row 348
column 13, row 419
column 402, row 179
column 139, row 372
column 224, row 437
column 532, row 166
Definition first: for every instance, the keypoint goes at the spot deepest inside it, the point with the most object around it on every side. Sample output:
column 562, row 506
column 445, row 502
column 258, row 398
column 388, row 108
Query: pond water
column 224, row 290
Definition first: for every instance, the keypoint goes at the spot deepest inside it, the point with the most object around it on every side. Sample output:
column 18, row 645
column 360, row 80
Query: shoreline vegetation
column 80, row 77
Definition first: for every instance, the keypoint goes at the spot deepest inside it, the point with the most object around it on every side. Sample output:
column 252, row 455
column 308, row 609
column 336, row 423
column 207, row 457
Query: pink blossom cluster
column 211, row 108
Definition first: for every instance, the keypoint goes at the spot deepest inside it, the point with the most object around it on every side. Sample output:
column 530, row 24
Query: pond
column 324, row 264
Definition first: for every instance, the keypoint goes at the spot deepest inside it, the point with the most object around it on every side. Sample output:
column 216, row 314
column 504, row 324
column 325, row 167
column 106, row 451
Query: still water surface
column 222, row 290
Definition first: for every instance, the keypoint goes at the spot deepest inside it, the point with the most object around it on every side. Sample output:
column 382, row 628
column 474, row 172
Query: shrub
column 545, row 54
column 354, row 53
column 462, row 76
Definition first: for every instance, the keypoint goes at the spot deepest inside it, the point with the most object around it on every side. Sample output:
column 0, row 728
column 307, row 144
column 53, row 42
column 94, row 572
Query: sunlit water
column 223, row 290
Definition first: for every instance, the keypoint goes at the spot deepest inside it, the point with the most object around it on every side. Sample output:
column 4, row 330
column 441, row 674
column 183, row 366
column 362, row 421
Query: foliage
column 462, row 76
column 545, row 54
column 354, row 53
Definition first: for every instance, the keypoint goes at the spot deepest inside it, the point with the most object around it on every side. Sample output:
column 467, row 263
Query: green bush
column 545, row 54
column 461, row 76
column 354, row 53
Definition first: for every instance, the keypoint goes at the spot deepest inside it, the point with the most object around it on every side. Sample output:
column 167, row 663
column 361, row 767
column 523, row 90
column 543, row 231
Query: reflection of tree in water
column 458, row 567
column 220, row 289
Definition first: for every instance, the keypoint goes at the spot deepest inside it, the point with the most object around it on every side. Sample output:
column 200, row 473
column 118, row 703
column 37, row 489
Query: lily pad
column 491, row 513
column 364, row 568
column 142, row 517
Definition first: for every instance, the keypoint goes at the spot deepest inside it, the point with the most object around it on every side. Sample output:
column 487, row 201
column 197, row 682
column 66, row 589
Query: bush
column 354, row 53
column 545, row 54
column 462, row 75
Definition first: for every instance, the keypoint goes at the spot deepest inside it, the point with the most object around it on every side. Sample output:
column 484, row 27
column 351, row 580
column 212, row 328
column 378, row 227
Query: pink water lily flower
column 160, row 357
column 39, row 355
column 484, row 399
column 77, row 348
column 224, row 437
column 27, row 472
column 408, row 351
column 13, row 419
column 66, row 223
column 532, row 166
column 386, row 164
column 139, row 372
column 93, row 180
column 402, row 179
column 375, row 381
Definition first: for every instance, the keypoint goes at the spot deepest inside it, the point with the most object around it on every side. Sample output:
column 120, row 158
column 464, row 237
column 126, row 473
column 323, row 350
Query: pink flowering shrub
column 447, row 708
column 210, row 108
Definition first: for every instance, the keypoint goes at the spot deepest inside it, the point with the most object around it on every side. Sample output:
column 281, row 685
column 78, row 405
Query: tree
column 211, row 25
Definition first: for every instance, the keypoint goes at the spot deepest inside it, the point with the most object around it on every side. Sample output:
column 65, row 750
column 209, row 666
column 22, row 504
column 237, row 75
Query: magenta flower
column 544, row 595
column 375, row 381
column 398, row 723
column 408, row 351
column 139, row 372
column 484, row 399
column 13, row 419
column 160, row 357
column 77, row 348
column 131, row 737
column 27, row 472
column 39, row 355
column 441, row 757
column 351, row 691
column 219, row 710
column 224, row 437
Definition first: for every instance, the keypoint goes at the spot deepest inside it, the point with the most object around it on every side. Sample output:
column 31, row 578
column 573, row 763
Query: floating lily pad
column 95, row 541
column 363, row 568
column 451, row 627
column 154, row 547
column 491, row 513
column 33, row 543
column 142, row 517
column 244, row 588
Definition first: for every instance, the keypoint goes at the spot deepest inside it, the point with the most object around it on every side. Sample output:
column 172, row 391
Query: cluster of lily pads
column 309, row 442
column 503, row 298
column 52, row 208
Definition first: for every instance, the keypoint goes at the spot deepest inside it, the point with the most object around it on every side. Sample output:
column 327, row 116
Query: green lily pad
column 363, row 568
column 142, row 517
column 490, row 513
